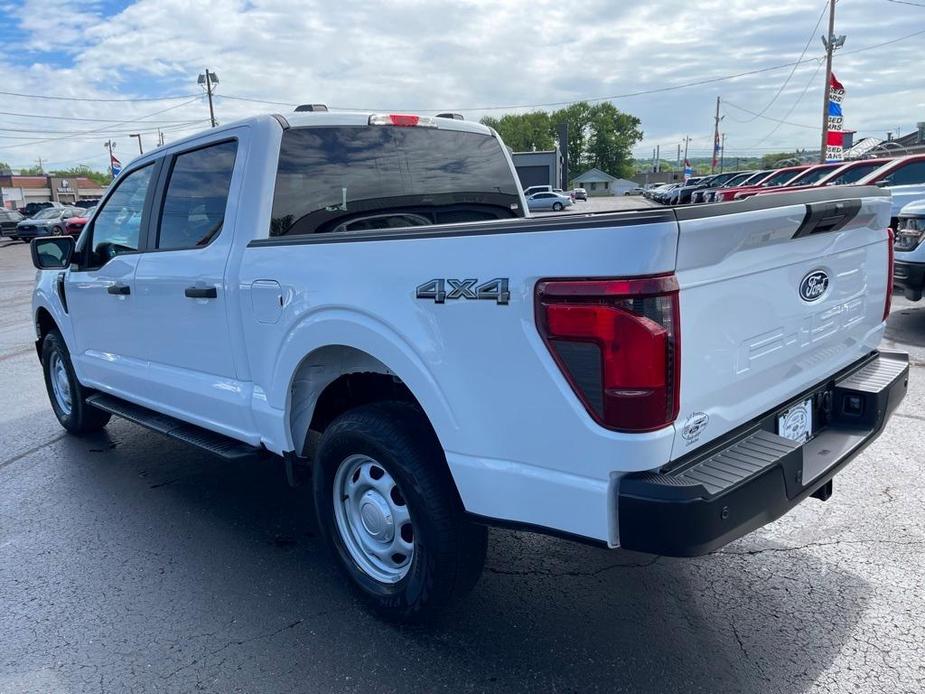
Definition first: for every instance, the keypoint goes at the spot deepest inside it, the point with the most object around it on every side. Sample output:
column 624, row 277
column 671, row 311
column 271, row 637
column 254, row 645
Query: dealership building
column 18, row 191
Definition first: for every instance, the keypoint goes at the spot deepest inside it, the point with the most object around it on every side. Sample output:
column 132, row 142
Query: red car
column 75, row 225
column 779, row 177
column 843, row 175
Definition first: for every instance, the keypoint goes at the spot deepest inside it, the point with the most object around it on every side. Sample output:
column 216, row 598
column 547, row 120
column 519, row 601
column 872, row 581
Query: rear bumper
column 753, row 476
column 910, row 277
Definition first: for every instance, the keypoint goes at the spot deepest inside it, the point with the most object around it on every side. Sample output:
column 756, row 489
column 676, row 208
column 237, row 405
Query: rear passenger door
column 183, row 297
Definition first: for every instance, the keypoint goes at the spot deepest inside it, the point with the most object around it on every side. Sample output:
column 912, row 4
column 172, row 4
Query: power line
column 75, row 118
column 726, row 102
column 906, row 2
column 794, row 106
column 812, row 35
column 102, row 129
column 153, row 128
column 98, row 100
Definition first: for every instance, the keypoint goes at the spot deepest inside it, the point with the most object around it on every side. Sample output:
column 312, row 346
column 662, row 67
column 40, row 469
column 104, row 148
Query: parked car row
column 543, row 198
column 49, row 221
column 904, row 176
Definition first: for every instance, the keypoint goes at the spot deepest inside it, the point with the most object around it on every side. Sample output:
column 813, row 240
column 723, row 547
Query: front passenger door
column 100, row 288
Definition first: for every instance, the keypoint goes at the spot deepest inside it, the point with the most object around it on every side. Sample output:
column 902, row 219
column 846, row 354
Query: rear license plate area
column 796, row 422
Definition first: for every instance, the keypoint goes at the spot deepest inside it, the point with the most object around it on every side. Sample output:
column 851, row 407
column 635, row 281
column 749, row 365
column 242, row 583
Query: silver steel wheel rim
column 60, row 384
column 372, row 519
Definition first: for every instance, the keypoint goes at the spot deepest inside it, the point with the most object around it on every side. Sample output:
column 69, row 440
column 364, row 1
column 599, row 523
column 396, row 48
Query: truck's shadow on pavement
column 171, row 567
column 907, row 325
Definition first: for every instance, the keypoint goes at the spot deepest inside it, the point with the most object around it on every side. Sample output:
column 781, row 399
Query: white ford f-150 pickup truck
column 365, row 296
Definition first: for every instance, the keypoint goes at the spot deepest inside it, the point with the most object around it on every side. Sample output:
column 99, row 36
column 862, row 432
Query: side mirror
column 52, row 253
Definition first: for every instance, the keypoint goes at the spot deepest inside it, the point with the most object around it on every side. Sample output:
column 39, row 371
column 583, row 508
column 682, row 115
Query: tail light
column 888, row 302
column 617, row 342
column 402, row 120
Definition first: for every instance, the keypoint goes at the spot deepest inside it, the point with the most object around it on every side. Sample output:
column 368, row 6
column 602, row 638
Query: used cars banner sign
column 834, row 150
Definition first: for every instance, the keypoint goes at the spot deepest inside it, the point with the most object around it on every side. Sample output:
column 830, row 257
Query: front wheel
column 68, row 397
column 387, row 507
column 57, row 231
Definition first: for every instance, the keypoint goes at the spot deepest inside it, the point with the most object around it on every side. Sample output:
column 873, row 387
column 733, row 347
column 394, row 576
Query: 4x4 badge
column 493, row 290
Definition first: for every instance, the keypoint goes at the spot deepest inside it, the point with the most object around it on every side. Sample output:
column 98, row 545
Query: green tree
column 101, row 179
column 769, row 161
column 32, row 171
column 523, row 132
column 578, row 118
column 613, row 135
column 4, row 166
column 599, row 136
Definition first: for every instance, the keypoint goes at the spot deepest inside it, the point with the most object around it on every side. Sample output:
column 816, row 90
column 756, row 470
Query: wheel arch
column 333, row 342
column 44, row 323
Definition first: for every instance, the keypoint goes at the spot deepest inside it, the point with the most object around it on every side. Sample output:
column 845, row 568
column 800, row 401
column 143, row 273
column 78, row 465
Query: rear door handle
column 119, row 288
column 201, row 292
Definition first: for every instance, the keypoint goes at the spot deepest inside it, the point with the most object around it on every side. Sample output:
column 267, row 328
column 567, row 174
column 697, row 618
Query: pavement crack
column 30, row 451
column 571, row 574
column 752, row 552
column 238, row 642
column 735, row 631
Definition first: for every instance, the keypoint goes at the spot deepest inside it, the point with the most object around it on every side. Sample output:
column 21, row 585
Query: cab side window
column 197, row 193
column 117, row 226
column 910, row 174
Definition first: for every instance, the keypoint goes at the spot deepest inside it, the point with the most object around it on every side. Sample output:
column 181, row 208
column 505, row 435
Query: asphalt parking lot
column 129, row 562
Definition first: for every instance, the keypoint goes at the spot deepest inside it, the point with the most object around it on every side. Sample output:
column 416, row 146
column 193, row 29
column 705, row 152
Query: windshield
column 47, row 213
column 854, row 174
column 780, row 178
column 814, row 175
column 380, row 177
column 736, row 180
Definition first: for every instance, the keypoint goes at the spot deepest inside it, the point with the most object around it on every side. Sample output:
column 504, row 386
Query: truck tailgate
column 777, row 293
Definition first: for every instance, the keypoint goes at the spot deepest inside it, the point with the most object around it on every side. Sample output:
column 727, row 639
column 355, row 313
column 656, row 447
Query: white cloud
column 421, row 54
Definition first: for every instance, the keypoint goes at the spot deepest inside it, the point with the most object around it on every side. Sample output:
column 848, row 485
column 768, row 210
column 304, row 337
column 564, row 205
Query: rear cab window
column 362, row 178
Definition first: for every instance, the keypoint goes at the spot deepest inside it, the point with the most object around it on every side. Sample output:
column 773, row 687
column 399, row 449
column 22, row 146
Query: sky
column 475, row 57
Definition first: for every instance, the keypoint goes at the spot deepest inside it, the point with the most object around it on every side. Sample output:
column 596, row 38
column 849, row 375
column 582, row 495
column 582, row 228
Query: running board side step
column 216, row 444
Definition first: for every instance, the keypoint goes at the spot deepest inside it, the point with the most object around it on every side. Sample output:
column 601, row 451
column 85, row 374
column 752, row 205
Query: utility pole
column 687, row 140
column 137, row 136
column 658, row 158
column 39, row 161
column 715, row 137
column 110, row 145
column 722, row 154
column 679, row 156
column 829, row 41
column 208, row 79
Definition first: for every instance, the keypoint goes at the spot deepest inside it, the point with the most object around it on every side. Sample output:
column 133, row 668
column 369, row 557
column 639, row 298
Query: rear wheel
column 557, row 206
column 388, row 509
column 57, row 231
column 68, row 397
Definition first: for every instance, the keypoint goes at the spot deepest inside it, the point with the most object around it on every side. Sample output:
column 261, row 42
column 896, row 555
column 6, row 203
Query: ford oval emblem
column 814, row 285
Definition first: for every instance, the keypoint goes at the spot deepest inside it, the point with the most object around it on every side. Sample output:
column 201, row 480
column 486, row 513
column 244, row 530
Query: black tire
column 557, row 207
column 80, row 417
column 57, row 231
column 449, row 551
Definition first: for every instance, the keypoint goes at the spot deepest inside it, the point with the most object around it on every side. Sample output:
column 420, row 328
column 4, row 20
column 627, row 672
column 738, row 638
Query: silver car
column 548, row 201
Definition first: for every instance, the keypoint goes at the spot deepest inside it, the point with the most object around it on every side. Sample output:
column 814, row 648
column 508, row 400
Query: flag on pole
column 834, row 150
column 115, row 165
column 688, row 170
